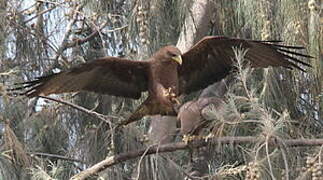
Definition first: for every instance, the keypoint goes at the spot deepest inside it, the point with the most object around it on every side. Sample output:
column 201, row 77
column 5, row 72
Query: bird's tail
column 149, row 107
column 139, row 113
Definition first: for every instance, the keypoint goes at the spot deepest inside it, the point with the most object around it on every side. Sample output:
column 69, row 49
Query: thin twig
column 86, row 39
column 140, row 161
column 56, row 156
column 180, row 168
column 268, row 159
column 53, row 2
column 91, row 36
column 102, row 117
column 283, row 149
column 39, row 14
column 68, row 30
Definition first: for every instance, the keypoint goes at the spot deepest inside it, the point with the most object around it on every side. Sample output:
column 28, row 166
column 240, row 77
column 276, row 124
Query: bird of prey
column 166, row 74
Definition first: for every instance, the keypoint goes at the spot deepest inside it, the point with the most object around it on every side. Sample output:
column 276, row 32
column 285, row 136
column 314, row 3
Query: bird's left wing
column 212, row 58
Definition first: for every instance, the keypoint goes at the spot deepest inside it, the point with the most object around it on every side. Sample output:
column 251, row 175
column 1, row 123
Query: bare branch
column 68, row 30
column 91, row 36
column 112, row 160
column 82, row 109
column 56, row 156
column 40, row 13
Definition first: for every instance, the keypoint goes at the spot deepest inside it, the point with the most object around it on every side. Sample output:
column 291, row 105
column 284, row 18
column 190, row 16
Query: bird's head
column 169, row 54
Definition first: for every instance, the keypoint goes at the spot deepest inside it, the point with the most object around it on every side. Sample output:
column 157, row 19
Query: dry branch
column 39, row 14
column 82, row 109
column 56, row 156
column 112, row 160
column 62, row 47
column 89, row 37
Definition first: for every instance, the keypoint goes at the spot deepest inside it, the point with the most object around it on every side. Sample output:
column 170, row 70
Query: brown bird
column 165, row 75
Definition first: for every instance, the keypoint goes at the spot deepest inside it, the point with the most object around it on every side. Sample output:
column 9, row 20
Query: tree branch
column 92, row 35
column 40, row 14
column 82, row 109
column 69, row 30
column 112, row 160
column 54, row 156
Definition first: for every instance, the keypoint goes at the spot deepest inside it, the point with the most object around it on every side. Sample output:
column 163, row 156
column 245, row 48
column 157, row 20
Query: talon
column 169, row 90
column 189, row 138
column 175, row 100
column 171, row 95
column 166, row 92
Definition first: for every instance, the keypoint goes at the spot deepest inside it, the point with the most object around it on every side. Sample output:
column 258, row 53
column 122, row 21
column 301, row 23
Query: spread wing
column 109, row 75
column 211, row 59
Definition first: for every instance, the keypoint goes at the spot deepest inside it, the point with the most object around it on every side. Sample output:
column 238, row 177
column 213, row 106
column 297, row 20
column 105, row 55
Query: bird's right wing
column 108, row 75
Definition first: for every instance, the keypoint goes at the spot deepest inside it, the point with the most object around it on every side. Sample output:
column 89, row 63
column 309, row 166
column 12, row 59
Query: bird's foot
column 168, row 92
column 175, row 101
column 171, row 95
column 190, row 138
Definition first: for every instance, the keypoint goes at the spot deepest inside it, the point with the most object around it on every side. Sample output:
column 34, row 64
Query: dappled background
column 42, row 139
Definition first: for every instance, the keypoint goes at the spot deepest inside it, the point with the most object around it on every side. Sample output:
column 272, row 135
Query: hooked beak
column 178, row 59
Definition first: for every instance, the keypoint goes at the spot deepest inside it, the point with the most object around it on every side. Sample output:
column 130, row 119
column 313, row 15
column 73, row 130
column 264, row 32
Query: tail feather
column 149, row 107
column 139, row 113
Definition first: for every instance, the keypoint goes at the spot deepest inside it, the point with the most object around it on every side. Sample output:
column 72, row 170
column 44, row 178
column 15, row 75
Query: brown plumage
column 166, row 75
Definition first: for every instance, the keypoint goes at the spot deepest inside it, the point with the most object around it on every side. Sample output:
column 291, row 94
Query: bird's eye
column 172, row 54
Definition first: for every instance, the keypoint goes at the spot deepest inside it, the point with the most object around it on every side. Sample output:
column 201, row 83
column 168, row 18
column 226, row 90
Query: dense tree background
column 42, row 139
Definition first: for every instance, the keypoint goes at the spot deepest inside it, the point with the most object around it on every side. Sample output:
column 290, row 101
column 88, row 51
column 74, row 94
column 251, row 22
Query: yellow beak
column 178, row 59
